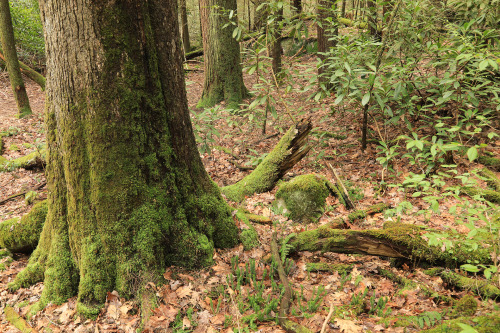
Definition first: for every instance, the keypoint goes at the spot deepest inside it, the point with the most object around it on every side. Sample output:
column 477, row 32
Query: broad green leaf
column 472, row 153
column 366, row 99
column 469, row 268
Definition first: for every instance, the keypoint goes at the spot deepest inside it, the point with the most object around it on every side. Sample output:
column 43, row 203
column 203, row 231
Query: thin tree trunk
column 372, row 19
column 186, row 43
column 223, row 72
column 29, row 72
column 343, row 8
column 9, row 48
column 274, row 46
column 325, row 42
column 297, row 4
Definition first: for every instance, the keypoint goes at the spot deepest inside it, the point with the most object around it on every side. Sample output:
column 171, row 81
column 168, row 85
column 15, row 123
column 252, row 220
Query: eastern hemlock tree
column 10, row 53
column 221, row 52
column 128, row 193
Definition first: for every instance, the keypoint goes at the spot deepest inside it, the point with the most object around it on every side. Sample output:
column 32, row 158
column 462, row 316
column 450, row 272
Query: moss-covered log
column 488, row 323
column 479, row 287
column 21, row 235
column 490, row 162
column 34, row 160
column 363, row 213
column 17, row 321
column 489, row 195
column 396, row 241
column 491, row 179
column 405, row 283
column 290, row 149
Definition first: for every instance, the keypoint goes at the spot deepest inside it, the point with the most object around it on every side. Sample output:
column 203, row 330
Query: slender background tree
column 9, row 49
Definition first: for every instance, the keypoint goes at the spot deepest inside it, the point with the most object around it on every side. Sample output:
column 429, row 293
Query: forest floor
column 207, row 300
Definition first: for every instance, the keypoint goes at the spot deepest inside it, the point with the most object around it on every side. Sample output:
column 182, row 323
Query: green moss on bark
column 21, row 235
column 303, row 198
column 343, row 269
column 34, row 159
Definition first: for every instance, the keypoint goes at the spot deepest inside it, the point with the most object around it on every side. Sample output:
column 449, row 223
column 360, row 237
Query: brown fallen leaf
column 348, row 326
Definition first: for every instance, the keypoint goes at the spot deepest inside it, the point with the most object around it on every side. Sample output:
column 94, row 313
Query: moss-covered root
column 290, row 149
column 489, row 195
column 326, row 267
column 363, row 213
column 258, row 218
column 22, row 235
column 480, row 288
column 405, row 283
column 491, row 178
column 489, row 323
column 396, row 241
column 13, row 317
column 33, row 160
column 248, row 236
column 490, row 161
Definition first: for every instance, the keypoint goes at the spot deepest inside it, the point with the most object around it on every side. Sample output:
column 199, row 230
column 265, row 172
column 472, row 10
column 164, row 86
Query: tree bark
column 223, row 72
column 184, row 27
column 9, row 47
column 128, row 193
column 372, row 20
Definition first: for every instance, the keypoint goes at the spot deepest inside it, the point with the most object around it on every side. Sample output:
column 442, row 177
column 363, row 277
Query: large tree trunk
column 128, row 194
column 223, row 73
column 186, row 43
column 9, row 48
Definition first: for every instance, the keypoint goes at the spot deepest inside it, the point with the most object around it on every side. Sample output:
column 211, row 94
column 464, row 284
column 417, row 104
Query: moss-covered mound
column 489, row 323
column 21, row 235
column 303, row 198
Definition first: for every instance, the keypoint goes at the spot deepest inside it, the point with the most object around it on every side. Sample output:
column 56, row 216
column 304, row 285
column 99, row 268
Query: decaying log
column 34, row 160
column 395, row 241
column 341, row 190
column 290, row 149
column 479, row 287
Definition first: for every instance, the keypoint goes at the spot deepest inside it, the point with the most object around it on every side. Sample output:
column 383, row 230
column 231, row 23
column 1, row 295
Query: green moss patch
column 21, row 235
column 303, row 198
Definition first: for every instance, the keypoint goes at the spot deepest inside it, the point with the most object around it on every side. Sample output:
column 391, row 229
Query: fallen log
column 34, row 160
column 479, row 287
column 395, row 241
column 290, row 149
column 21, row 235
column 26, row 70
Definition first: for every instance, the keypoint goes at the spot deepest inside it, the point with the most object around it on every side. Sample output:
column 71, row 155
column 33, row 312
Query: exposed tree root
column 21, row 235
column 290, row 149
column 286, row 324
column 480, row 288
column 395, row 241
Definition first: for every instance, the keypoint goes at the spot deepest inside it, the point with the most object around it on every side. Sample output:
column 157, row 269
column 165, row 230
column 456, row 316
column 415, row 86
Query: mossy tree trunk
column 186, row 43
column 9, row 48
column 223, row 72
column 128, row 193
column 323, row 28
